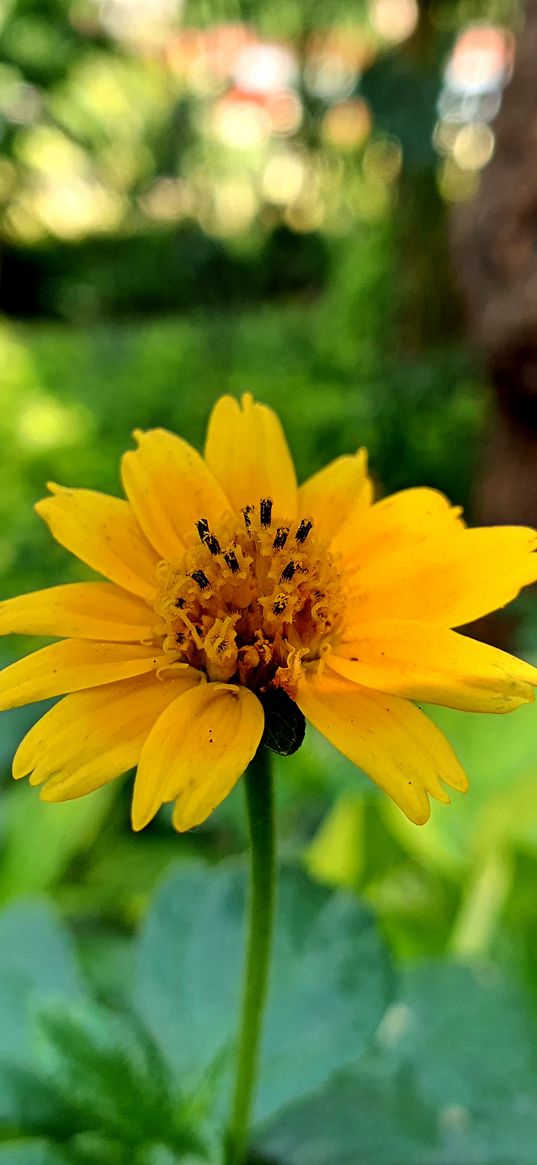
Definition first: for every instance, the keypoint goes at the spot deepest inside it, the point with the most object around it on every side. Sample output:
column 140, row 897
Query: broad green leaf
column 453, row 1081
column 37, row 962
column 468, row 1039
column 470, row 1034
column 331, row 980
column 354, row 1121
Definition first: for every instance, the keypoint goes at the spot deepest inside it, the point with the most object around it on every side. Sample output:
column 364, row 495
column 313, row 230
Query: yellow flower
column 228, row 584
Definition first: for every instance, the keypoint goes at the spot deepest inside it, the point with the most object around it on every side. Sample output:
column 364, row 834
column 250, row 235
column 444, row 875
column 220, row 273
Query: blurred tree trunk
column 495, row 250
column 495, row 246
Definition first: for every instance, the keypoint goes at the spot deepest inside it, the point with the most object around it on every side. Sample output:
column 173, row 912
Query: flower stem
column 259, row 800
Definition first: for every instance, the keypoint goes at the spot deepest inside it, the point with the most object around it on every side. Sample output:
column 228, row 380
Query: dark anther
column 303, row 530
column 288, row 572
column 285, row 726
column 265, row 511
column 200, row 577
column 281, row 537
column 279, row 606
column 212, row 544
column 246, row 515
column 180, row 603
column 209, row 539
column 202, row 527
column 231, row 559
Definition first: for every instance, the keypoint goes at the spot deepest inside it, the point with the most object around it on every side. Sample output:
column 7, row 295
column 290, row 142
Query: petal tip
column 19, row 769
column 420, row 816
column 141, row 815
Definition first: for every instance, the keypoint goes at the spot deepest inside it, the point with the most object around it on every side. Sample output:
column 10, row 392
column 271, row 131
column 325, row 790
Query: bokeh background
column 333, row 206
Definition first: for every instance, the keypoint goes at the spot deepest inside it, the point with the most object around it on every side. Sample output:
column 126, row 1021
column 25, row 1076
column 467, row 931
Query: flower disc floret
column 250, row 599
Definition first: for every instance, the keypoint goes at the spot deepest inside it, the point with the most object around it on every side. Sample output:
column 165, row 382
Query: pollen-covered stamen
column 281, row 537
column 231, row 559
column 241, row 609
column 265, row 511
column 303, row 531
column 202, row 527
column 288, row 571
column 200, row 577
column 212, row 544
column 209, row 540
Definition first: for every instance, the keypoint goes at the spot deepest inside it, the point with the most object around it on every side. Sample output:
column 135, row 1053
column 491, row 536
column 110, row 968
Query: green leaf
column 32, row 1152
column 468, row 1040
column 37, row 962
column 354, row 1121
column 42, row 839
column 453, row 1081
column 470, row 1034
column 331, row 980
column 106, row 1072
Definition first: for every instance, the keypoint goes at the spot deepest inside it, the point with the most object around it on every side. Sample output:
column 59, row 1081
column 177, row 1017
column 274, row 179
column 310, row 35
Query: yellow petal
column 341, row 491
column 196, row 753
column 170, row 487
column 91, row 737
column 400, row 520
column 70, row 666
column 449, row 580
column 423, row 662
column 247, row 451
column 79, row 611
column 103, row 532
column 390, row 739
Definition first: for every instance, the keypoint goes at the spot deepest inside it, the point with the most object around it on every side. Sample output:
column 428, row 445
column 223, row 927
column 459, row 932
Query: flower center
column 250, row 599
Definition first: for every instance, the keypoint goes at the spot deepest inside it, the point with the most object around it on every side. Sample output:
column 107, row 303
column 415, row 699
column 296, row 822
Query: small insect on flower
column 238, row 604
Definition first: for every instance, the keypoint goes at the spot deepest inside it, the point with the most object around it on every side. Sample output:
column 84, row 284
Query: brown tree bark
column 495, row 246
column 495, row 251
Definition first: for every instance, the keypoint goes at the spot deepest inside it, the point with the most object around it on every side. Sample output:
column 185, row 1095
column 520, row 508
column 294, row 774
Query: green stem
column 259, row 800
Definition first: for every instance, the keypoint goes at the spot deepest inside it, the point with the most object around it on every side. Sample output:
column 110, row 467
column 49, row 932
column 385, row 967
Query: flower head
column 231, row 592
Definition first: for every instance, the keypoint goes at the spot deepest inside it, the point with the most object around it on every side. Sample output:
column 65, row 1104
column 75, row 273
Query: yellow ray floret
column 79, row 611
column 231, row 594
column 196, row 753
column 424, row 662
column 389, row 738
